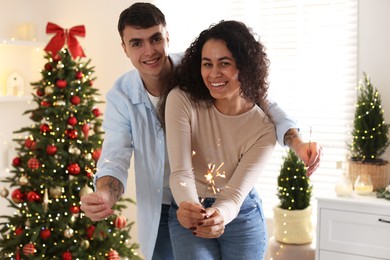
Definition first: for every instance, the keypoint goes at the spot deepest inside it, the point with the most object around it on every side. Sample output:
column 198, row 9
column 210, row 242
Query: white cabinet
column 353, row 228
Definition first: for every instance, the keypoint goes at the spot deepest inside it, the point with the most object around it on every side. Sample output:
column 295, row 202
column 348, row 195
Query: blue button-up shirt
column 131, row 127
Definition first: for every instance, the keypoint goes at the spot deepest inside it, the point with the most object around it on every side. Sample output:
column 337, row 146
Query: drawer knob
column 384, row 220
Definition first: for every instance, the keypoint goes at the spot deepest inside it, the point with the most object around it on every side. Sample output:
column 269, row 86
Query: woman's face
column 219, row 71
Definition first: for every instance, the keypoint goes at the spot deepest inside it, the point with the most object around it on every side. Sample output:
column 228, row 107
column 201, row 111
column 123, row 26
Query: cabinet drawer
column 327, row 255
column 354, row 233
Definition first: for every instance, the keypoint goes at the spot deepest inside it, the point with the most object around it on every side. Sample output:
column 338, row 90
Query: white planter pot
column 293, row 226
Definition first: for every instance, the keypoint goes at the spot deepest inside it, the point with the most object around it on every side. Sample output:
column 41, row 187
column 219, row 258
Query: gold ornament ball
column 55, row 191
column 85, row 190
column 85, row 244
column 48, row 90
column 23, row 180
column 59, row 103
column 88, row 156
column 68, row 232
column 4, row 192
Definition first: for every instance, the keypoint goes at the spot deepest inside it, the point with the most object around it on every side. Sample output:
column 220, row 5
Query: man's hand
column 309, row 153
column 95, row 206
column 98, row 205
column 205, row 223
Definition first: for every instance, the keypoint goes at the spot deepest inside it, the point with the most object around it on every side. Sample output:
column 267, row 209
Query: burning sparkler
column 211, row 173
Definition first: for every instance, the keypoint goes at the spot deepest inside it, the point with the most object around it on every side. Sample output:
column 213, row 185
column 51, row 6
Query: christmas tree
column 55, row 166
column 370, row 133
column 294, row 188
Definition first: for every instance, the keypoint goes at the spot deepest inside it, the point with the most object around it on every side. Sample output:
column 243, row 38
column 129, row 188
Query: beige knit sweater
column 202, row 140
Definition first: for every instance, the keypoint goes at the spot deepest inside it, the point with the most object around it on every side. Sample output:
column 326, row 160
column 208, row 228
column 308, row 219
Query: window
column 312, row 46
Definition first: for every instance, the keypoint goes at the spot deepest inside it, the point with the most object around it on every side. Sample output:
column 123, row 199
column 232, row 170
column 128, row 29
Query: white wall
column 102, row 42
column 374, row 50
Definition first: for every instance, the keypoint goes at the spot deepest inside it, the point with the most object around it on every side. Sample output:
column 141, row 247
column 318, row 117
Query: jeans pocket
column 248, row 208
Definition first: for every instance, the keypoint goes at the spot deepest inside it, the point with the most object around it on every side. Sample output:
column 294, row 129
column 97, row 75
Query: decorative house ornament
column 15, row 85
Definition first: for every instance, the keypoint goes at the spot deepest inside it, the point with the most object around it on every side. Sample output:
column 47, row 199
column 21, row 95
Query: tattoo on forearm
column 116, row 188
column 289, row 136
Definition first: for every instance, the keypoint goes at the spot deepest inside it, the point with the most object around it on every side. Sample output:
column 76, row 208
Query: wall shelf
column 14, row 42
column 15, row 98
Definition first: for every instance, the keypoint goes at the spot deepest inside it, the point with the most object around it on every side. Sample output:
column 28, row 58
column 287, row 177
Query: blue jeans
column 244, row 238
column 163, row 248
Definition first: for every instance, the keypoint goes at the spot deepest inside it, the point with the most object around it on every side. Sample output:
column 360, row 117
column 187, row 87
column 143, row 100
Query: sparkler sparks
column 211, row 172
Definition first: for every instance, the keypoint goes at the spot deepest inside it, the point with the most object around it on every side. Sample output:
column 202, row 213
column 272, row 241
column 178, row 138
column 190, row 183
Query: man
column 131, row 125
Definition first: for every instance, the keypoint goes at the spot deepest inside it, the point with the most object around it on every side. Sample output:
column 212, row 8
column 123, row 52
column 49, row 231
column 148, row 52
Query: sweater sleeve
column 178, row 133
column 247, row 172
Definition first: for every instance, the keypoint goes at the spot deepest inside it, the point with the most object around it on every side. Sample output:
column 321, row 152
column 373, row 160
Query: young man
column 131, row 125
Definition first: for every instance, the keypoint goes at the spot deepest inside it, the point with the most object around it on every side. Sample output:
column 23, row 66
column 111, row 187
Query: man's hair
column 140, row 15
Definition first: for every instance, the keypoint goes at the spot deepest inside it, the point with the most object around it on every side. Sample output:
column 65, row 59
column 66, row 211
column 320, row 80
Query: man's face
column 147, row 49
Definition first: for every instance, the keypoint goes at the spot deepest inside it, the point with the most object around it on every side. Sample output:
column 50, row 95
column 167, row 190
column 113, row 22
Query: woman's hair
column 141, row 15
column 249, row 54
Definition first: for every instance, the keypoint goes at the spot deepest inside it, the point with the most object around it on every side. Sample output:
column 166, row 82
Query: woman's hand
column 205, row 223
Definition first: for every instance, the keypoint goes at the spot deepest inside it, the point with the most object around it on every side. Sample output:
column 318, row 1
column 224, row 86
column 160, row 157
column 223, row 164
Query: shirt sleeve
column 178, row 134
column 281, row 120
column 117, row 146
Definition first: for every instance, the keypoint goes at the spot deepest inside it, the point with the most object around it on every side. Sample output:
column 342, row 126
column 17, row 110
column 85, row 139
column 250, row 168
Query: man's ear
column 124, row 48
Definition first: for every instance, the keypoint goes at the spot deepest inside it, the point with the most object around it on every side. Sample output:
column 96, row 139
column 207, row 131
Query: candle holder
column 343, row 186
column 363, row 184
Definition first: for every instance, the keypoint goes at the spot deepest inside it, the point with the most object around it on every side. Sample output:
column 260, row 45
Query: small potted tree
column 369, row 137
column 292, row 217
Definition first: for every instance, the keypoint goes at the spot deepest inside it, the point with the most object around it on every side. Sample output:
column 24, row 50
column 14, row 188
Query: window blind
column 312, row 46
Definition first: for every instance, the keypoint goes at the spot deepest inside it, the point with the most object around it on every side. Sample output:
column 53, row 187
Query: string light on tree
column 370, row 133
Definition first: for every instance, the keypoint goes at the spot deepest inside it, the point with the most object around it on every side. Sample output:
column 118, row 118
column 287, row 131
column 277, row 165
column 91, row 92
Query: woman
column 219, row 140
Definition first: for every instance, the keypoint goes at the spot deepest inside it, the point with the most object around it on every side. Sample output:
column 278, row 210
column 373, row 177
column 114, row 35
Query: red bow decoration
column 62, row 35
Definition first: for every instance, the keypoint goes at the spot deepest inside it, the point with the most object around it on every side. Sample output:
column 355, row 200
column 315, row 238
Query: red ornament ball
column 29, row 249
column 75, row 100
column 32, row 196
column 45, row 233
column 72, row 120
column 48, row 66
column 61, row 83
column 71, row 133
column 113, row 255
column 51, row 149
column 45, row 104
column 19, row 231
column 17, row 196
column 66, row 256
column 79, row 75
column 29, row 143
column 74, row 168
column 96, row 154
column 90, row 231
column 96, row 112
column 56, row 57
column 120, row 222
column 33, row 163
column 90, row 83
column 40, row 92
column 75, row 209
column 45, row 128
column 16, row 161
